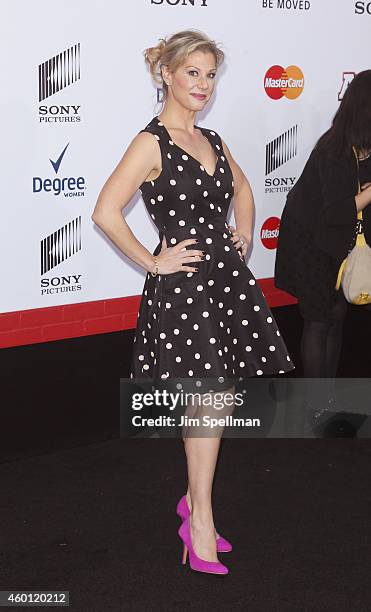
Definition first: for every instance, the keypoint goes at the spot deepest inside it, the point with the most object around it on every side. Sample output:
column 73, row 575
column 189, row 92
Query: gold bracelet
column 156, row 267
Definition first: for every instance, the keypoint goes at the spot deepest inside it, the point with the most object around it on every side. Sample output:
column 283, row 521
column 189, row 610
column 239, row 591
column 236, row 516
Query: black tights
column 321, row 342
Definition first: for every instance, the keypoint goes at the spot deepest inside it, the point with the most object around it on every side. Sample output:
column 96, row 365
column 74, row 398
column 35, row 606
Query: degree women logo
column 279, row 82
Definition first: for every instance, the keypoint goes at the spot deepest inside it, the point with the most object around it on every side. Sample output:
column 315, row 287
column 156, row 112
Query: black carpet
column 87, row 512
column 99, row 521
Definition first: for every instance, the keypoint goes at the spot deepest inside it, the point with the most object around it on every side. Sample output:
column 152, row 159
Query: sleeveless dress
column 210, row 323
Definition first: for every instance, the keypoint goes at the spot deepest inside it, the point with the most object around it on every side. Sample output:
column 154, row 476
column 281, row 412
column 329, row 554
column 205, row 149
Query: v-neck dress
column 214, row 322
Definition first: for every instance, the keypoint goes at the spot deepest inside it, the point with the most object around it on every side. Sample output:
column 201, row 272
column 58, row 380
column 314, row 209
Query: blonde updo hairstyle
column 174, row 51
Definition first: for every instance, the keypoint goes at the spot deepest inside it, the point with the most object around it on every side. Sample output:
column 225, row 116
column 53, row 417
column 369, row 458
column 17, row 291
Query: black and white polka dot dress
column 210, row 323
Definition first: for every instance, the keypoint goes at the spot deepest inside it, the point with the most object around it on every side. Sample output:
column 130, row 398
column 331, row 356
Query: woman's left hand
column 240, row 241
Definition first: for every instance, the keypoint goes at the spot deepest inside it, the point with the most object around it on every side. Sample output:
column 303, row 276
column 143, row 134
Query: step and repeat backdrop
column 76, row 90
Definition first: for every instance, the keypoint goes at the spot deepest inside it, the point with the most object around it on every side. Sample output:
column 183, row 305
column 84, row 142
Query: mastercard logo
column 279, row 82
column 269, row 232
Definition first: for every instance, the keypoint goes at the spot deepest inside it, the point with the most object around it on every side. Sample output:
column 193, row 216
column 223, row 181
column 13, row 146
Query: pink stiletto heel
column 182, row 509
column 185, row 550
column 196, row 563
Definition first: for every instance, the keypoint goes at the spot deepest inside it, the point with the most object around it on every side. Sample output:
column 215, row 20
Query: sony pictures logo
column 277, row 153
column 69, row 186
column 56, row 248
column 55, row 74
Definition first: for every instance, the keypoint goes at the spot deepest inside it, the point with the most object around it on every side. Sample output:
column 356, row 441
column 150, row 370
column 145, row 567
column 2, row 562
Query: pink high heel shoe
column 197, row 564
column 182, row 509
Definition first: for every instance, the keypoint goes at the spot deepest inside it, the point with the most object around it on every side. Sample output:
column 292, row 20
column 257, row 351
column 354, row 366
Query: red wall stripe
column 89, row 318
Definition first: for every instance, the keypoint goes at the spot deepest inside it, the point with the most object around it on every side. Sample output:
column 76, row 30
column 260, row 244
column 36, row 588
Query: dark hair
column 351, row 124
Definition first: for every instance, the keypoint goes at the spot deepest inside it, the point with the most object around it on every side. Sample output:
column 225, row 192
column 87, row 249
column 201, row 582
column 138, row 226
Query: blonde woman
column 202, row 312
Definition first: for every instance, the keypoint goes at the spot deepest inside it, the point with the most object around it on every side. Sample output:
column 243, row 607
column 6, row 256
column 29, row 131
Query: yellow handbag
column 355, row 271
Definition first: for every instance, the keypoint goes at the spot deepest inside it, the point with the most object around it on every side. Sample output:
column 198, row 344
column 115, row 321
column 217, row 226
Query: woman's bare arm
column 244, row 206
column 141, row 159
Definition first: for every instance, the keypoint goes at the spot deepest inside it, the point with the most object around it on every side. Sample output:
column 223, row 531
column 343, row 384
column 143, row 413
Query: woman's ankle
column 189, row 500
column 201, row 519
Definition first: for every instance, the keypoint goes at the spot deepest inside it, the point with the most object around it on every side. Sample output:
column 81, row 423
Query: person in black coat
column 318, row 227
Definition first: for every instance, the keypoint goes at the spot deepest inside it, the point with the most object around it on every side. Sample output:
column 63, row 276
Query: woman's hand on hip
column 240, row 241
column 171, row 259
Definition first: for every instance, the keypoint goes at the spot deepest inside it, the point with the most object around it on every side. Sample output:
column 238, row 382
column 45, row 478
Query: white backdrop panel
column 116, row 99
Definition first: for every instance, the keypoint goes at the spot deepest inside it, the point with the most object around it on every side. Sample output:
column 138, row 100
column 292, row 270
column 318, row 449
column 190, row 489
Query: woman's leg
column 313, row 348
column 321, row 342
column 313, row 353
column 202, row 455
column 335, row 335
column 333, row 346
column 320, row 349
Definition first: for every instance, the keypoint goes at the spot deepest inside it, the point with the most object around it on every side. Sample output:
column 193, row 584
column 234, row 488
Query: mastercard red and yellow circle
column 288, row 82
column 269, row 232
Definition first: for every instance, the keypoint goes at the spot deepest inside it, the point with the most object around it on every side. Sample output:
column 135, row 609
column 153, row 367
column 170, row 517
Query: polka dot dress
column 214, row 322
